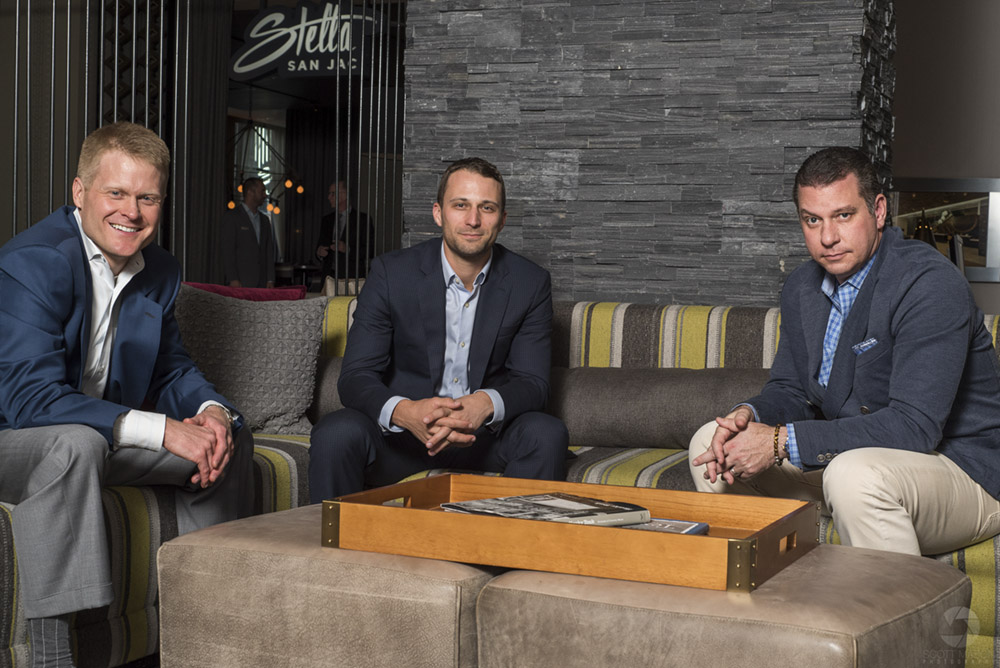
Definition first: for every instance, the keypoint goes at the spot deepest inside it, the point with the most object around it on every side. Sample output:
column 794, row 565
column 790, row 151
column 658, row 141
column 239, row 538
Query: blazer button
column 820, row 458
column 865, row 410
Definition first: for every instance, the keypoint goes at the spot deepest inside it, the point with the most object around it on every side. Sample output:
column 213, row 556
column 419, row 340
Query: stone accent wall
column 648, row 146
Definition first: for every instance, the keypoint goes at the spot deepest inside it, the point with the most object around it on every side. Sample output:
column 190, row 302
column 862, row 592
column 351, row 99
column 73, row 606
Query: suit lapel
column 430, row 294
column 135, row 347
column 854, row 329
column 815, row 312
column 490, row 310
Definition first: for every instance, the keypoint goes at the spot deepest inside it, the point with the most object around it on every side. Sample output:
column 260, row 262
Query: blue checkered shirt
column 842, row 298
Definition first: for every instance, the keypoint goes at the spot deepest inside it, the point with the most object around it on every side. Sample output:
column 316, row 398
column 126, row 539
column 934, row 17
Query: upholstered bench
column 835, row 607
column 263, row 591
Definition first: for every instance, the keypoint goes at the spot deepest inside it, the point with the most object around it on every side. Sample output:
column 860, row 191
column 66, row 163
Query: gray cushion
column 646, row 408
column 259, row 355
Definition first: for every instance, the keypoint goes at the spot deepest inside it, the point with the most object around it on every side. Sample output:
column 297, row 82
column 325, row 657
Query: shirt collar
column 253, row 212
column 135, row 264
column 830, row 284
column 450, row 275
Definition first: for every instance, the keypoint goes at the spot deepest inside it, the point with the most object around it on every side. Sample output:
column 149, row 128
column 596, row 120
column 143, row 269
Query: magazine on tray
column 555, row 507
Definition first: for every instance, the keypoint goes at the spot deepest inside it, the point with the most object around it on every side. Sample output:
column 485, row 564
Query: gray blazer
column 243, row 258
column 926, row 378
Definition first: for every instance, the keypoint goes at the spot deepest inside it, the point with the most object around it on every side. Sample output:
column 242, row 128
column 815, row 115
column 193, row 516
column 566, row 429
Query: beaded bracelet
column 777, row 451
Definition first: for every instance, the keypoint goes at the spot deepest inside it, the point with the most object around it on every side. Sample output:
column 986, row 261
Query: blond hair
column 135, row 141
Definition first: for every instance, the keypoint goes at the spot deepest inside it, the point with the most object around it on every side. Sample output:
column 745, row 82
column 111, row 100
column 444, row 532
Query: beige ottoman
column 263, row 592
column 835, row 607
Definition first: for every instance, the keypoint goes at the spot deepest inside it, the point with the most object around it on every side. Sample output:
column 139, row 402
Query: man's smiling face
column 121, row 208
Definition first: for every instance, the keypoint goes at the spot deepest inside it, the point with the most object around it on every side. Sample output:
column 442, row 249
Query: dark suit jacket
column 396, row 344
column 244, row 258
column 45, row 304
column 931, row 382
column 359, row 237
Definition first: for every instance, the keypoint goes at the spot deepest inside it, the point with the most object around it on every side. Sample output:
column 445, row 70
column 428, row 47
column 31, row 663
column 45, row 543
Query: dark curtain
column 203, row 97
column 313, row 145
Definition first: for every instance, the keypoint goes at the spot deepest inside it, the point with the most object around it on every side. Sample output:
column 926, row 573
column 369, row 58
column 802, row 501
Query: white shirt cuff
column 385, row 416
column 140, row 429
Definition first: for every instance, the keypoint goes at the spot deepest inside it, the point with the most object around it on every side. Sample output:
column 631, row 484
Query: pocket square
column 867, row 344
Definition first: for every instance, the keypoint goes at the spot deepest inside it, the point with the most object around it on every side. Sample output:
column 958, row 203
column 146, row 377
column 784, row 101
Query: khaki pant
column 880, row 498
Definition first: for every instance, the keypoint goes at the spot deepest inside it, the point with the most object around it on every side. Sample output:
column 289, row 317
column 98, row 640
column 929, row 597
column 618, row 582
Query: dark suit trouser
column 54, row 475
column 349, row 452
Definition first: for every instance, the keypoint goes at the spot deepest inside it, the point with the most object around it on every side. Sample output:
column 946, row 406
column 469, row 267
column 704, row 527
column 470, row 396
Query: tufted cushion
column 259, row 355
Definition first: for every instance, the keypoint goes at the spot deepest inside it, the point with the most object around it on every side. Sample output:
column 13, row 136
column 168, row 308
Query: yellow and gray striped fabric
column 645, row 336
column 336, row 321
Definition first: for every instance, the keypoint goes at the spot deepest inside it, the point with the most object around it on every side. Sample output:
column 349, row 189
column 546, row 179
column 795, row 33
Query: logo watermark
column 956, row 624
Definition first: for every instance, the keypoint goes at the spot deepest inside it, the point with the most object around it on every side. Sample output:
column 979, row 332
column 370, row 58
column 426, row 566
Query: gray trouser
column 54, row 475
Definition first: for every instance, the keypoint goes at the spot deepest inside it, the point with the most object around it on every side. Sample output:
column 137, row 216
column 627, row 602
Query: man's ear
column 437, row 214
column 881, row 208
column 78, row 191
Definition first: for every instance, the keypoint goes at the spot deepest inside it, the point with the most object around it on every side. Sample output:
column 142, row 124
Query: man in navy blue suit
column 447, row 361
column 884, row 397
column 96, row 388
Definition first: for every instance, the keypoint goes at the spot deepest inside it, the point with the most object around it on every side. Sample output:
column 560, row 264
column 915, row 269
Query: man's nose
column 829, row 235
column 130, row 208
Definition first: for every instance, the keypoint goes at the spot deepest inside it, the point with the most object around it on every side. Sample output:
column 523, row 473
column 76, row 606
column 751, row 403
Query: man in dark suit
column 447, row 362
column 96, row 387
column 249, row 250
column 884, row 396
column 346, row 237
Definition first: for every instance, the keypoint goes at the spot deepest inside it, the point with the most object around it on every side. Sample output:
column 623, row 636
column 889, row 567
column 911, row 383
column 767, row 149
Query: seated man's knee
column 81, row 445
column 341, row 435
column 700, row 441
column 852, row 476
column 77, row 450
column 544, row 430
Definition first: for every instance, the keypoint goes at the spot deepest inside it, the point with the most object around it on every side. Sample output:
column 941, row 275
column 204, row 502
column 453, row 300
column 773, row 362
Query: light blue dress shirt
column 460, row 318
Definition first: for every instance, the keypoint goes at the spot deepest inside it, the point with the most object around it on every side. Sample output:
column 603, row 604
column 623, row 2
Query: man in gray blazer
column 247, row 240
column 884, row 396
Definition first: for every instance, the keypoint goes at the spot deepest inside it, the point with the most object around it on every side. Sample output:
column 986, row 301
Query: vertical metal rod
column 66, row 137
column 27, row 116
column 179, row 228
column 361, row 96
column 115, row 74
column 134, row 60
column 86, row 71
column 100, row 67
column 52, row 103
column 159, row 78
column 397, row 216
column 17, row 104
column 378, row 129
column 146, row 68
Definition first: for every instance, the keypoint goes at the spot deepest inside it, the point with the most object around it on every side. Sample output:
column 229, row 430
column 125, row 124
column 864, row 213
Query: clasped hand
column 740, row 448
column 439, row 422
column 204, row 439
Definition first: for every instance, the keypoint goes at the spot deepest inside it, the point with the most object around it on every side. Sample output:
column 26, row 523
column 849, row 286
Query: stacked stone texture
column 648, row 146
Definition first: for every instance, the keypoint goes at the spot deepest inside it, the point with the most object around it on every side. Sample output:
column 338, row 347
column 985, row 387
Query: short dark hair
column 477, row 166
column 833, row 164
column 250, row 180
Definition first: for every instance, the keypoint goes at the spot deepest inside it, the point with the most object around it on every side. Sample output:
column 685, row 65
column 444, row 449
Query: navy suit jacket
column 930, row 381
column 245, row 259
column 396, row 344
column 45, row 314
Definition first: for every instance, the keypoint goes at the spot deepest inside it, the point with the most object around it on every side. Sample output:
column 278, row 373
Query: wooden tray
column 749, row 540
